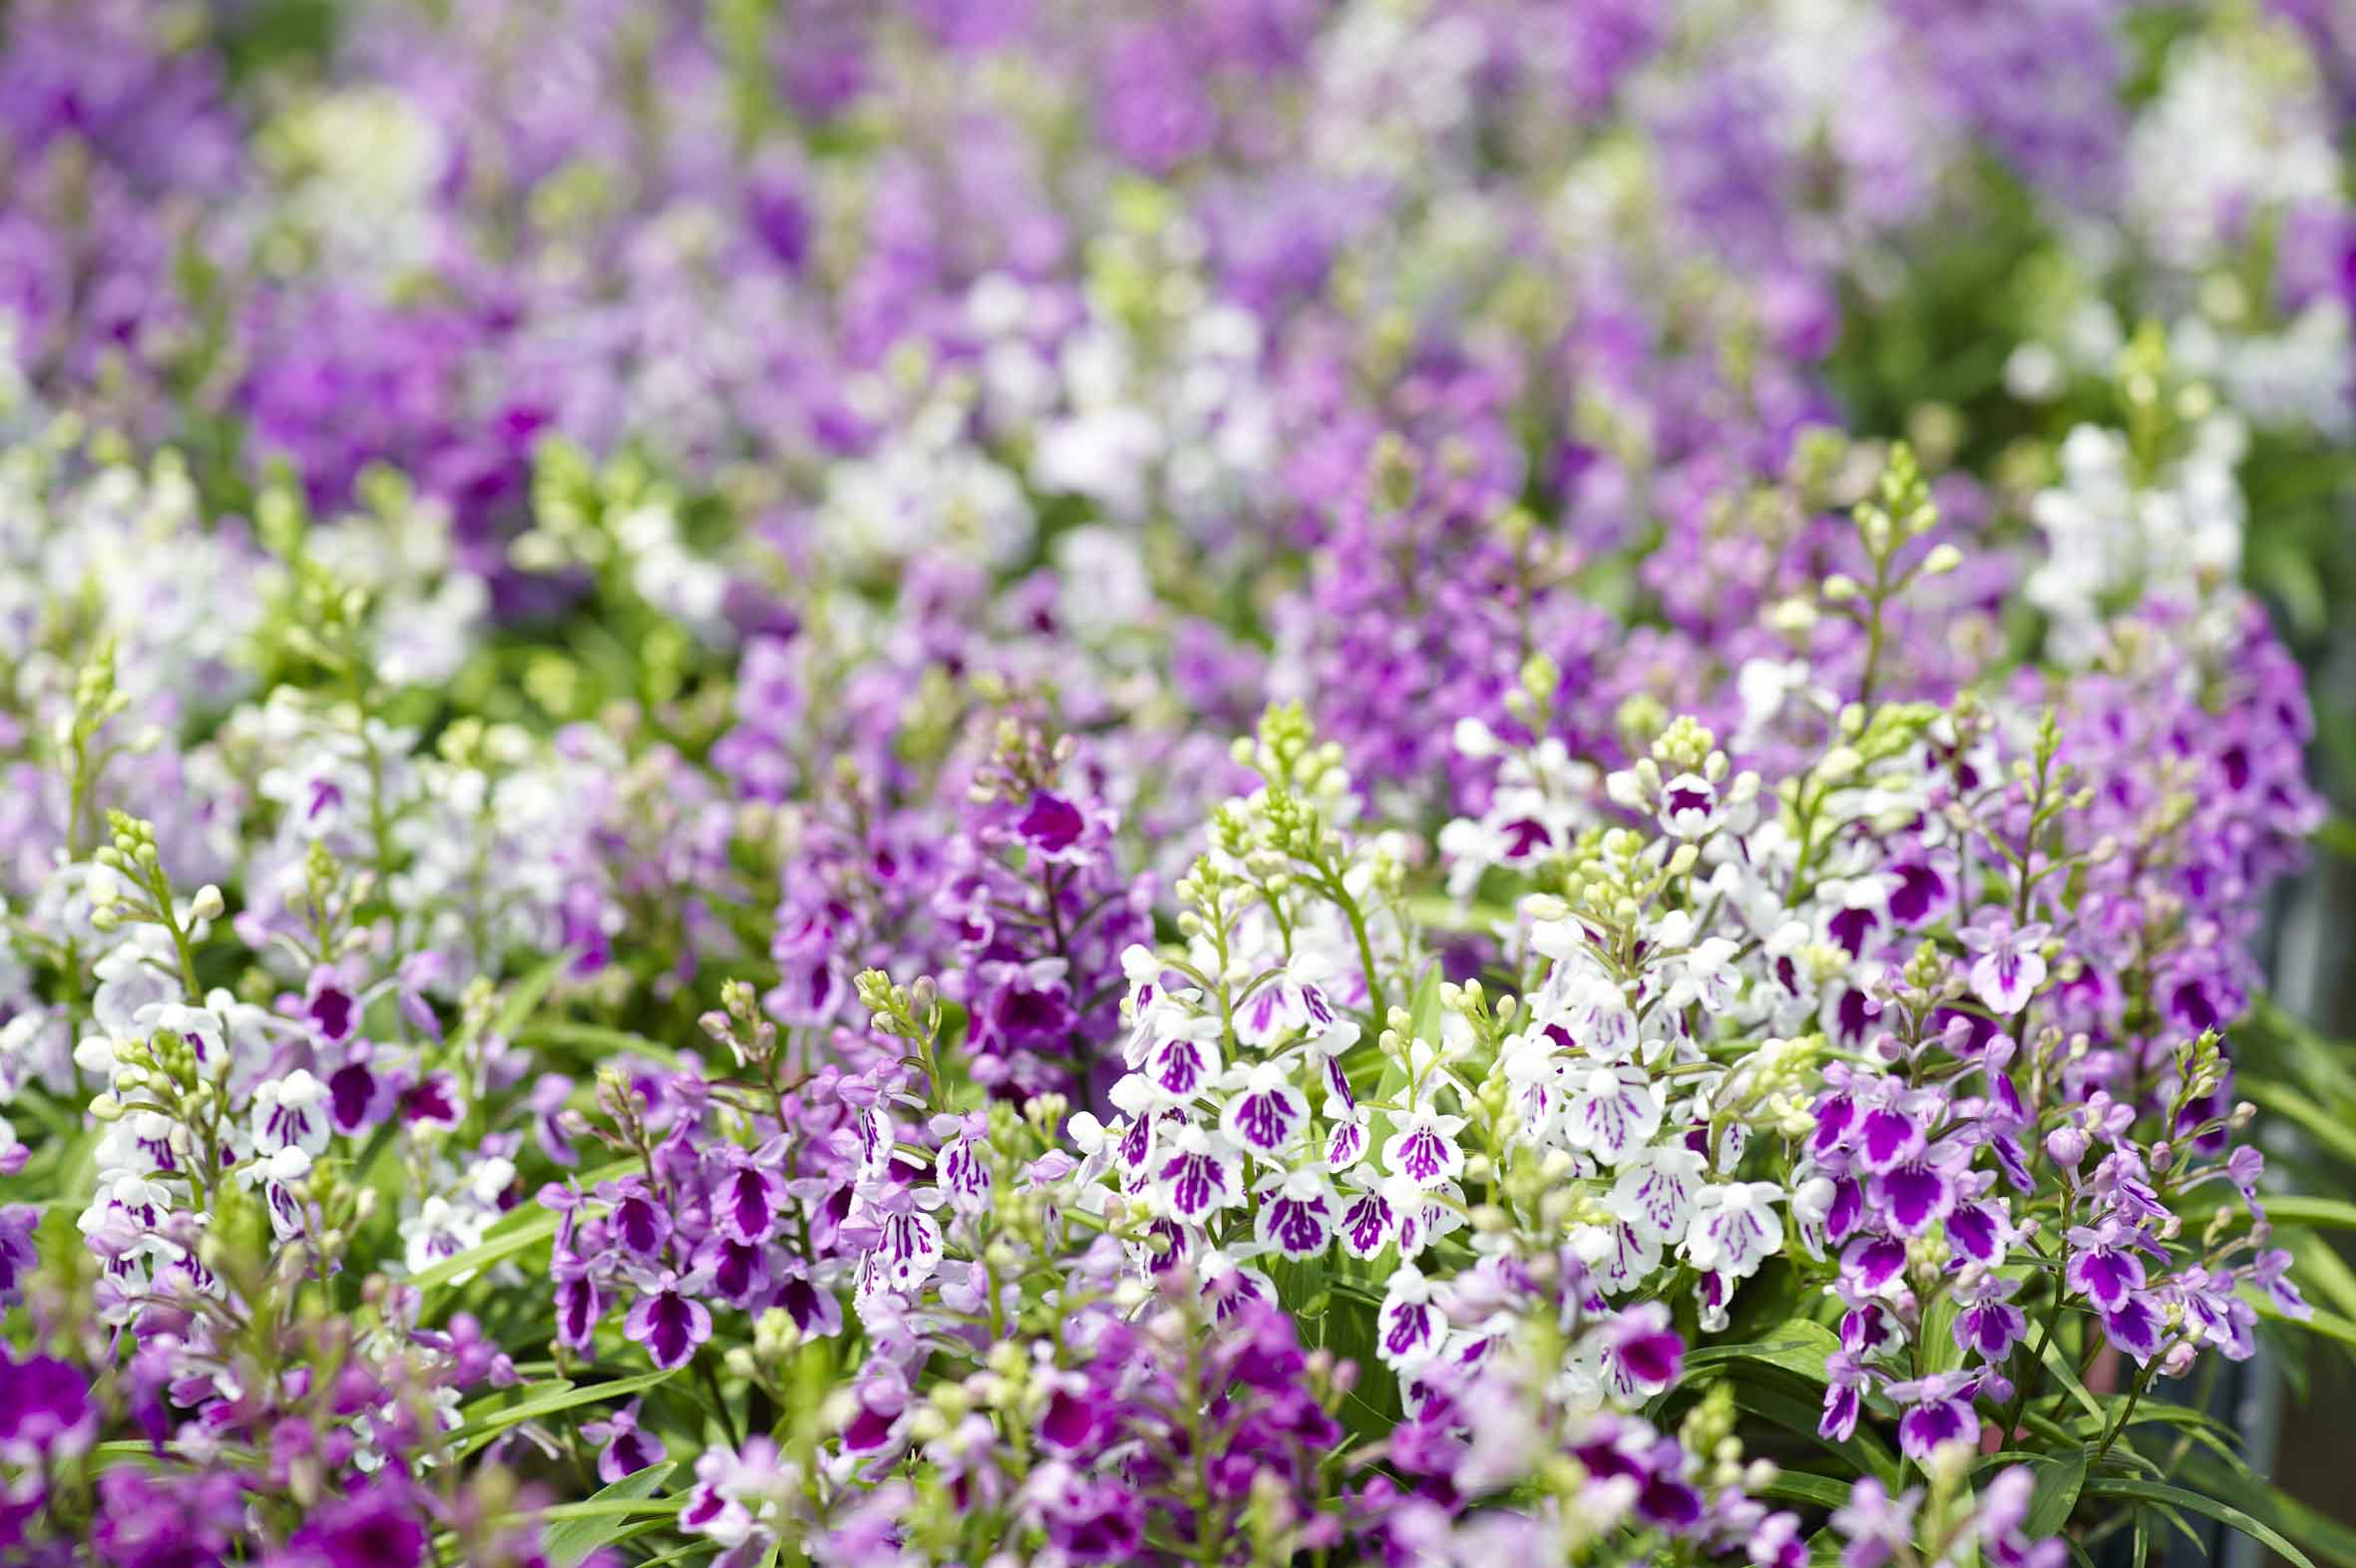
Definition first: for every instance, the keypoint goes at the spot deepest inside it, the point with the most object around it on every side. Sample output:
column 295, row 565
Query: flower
column 1733, row 1231
column 668, row 1321
column 46, row 1412
column 377, row 1527
column 623, row 1448
column 2008, row 968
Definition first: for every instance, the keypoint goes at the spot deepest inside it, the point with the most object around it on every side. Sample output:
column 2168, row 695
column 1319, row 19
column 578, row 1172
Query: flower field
column 902, row 783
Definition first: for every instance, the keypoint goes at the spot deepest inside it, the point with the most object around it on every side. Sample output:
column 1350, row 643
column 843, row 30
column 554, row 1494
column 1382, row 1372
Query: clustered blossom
column 946, row 783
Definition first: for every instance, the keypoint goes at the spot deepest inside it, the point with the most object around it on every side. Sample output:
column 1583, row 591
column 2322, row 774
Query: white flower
column 290, row 1112
column 1267, row 1112
column 1195, row 1173
column 200, row 1026
column 1622, row 1255
column 1608, row 1112
column 1705, row 974
column 1733, row 1229
column 1424, row 1149
column 910, row 1249
column 1182, row 1059
column 1408, row 1329
column 1688, row 806
column 1297, row 1215
column 1659, row 1190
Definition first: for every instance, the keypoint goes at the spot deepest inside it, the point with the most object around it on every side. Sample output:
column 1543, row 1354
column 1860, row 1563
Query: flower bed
column 1252, row 782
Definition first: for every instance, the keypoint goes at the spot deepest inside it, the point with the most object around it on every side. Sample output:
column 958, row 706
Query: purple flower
column 1877, row 1526
column 1914, row 1195
column 45, row 1410
column 2102, row 1263
column 18, row 1258
column 1939, row 1410
column 1640, row 1344
column 330, row 1010
column 638, row 1221
column 148, row 1520
column 376, row 1527
column 1051, row 824
column 1887, row 1136
column 2271, row 1274
column 1846, row 1381
column 625, row 1448
column 1094, row 1521
column 2135, row 1324
column 747, row 1205
column 1871, row 1262
column 669, row 1322
column 1979, row 1232
column 1989, row 1323
column 579, row 1307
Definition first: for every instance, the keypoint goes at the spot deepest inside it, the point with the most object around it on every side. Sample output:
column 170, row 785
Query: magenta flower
column 1876, row 1526
column 46, row 1410
column 1989, row 1323
column 624, row 1447
column 669, row 1322
column 2103, row 1264
column 1939, row 1410
column 379, row 1526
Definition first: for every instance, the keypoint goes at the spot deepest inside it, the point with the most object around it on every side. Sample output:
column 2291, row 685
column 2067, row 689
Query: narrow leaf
column 2060, row 1479
column 1800, row 1347
column 2225, row 1513
column 570, row 1541
column 478, row 1431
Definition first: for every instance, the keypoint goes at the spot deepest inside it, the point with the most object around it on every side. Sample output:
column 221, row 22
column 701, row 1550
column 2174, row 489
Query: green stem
column 721, row 1413
column 1366, row 948
column 2150, row 1368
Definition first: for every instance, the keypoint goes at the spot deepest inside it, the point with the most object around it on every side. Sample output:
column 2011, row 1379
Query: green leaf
column 616, row 1508
column 2329, row 1324
column 2291, row 1209
column 481, row 1429
column 540, row 1226
column 1865, row 1454
column 2327, row 1130
column 2298, row 1209
column 2225, row 1513
column 2058, row 1364
column 522, row 999
column 2338, row 834
column 2321, row 1270
column 2325, row 1536
column 1937, row 1344
column 2060, row 1479
column 1439, row 912
column 512, row 1233
column 1425, row 1011
column 1800, row 1346
column 682, row 1554
column 570, row 1541
column 597, row 1036
column 1799, row 1486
